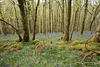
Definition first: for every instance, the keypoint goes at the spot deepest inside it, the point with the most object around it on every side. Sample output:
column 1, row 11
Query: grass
column 53, row 56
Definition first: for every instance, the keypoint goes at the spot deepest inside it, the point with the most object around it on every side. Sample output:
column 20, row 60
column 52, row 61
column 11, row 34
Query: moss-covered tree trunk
column 22, row 5
column 96, row 37
column 84, row 17
column 66, row 36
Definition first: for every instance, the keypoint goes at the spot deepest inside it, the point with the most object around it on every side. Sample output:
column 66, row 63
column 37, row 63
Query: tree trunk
column 50, row 16
column 24, row 20
column 16, row 15
column 73, row 29
column 66, row 36
column 96, row 37
column 62, row 23
column 44, row 17
column 35, row 20
column 84, row 18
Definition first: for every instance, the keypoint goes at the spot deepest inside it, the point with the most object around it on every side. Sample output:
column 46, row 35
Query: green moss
column 85, row 41
column 80, row 47
column 62, row 42
column 18, row 46
column 75, row 42
column 12, row 49
column 95, row 39
column 1, row 44
column 35, row 41
column 5, row 45
column 95, row 46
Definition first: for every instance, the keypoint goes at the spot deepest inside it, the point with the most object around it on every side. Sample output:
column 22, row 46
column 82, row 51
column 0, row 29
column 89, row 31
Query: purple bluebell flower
column 95, row 63
column 2, row 60
column 7, row 64
column 80, row 57
column 74, row 63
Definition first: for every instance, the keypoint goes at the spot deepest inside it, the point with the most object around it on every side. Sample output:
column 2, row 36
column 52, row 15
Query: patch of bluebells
column 87, row 34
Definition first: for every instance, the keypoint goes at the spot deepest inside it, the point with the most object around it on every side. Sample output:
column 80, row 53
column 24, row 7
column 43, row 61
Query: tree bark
column 84, row 18
column 96, row 37
column 62, row 23
column 44, row 17
column 66, row 36
column 16, row 15
column 35, row 20
column 73, row 29
column 24, row 20
column 50, row 16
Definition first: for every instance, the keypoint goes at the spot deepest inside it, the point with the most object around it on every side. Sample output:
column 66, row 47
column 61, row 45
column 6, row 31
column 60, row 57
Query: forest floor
column 53, row 57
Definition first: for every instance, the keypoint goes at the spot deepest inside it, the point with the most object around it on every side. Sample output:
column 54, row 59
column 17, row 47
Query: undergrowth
column 56, row 53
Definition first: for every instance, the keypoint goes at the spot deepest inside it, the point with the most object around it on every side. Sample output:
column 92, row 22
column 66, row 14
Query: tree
column 75, row 20
column 66, row 36
column 94, row 16
column 84, row 17
column 3, row 25
column 62, row 23
column 17, row 31
column 22, row 4
column 16, row 15
column 35, row 19
column 96, row 37
column 44, row 17
column 50, row 16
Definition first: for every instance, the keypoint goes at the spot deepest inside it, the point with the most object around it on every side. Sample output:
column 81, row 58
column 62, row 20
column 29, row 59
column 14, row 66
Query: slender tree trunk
column 66, row 36
column 62, row 23
column 24, row 20
column 84, row 18
column 57, row 20
column 16, row 15
column 35, row 20
column 50, row 16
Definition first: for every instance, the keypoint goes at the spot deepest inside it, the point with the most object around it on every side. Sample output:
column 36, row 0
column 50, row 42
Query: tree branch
column 17, row 31
column 8, row 24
